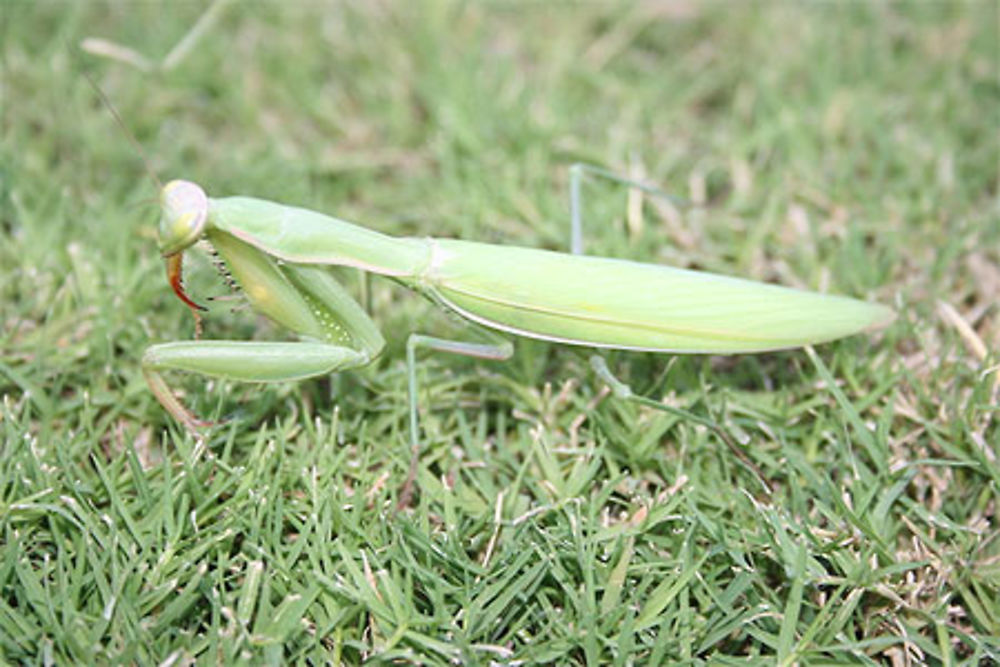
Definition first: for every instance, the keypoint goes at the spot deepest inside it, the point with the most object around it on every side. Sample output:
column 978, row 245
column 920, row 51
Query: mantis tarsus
column 277, row 254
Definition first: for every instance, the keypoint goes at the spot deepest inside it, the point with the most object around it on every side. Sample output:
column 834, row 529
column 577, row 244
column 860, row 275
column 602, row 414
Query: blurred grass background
column 846, row 147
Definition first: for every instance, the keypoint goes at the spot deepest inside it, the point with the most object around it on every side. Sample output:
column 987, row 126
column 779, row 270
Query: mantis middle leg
column 500, row 350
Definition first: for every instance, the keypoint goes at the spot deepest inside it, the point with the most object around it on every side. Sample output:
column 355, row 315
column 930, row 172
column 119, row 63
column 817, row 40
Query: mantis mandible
column 277, row 254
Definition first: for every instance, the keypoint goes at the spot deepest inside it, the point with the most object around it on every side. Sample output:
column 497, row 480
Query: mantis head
column 184, row 207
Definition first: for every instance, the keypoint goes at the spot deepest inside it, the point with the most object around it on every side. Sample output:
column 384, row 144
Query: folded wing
column 630, row 305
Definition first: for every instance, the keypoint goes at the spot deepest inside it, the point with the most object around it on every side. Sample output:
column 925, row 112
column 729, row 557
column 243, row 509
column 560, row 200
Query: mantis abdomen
column 615, row 303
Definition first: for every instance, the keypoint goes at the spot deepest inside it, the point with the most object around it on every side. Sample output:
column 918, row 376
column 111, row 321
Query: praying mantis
column 278, row 255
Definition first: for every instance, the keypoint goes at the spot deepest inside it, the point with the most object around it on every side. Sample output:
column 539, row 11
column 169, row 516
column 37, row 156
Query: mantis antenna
column 174, row 262
column 124, row 128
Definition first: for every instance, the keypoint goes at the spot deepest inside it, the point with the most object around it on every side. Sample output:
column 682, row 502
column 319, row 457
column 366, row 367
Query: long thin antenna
column 173, row 265
column 124, row 128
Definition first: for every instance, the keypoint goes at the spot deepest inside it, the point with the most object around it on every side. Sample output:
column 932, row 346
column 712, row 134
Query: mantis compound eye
column 184, row 207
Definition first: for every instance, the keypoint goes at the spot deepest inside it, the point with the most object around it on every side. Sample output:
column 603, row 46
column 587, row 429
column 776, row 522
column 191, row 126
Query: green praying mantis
column 277, row 254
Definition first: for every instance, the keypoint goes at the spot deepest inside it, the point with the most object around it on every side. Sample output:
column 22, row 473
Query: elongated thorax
column 305, row 237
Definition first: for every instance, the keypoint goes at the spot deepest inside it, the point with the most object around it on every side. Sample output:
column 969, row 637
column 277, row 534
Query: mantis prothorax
column 277, row 254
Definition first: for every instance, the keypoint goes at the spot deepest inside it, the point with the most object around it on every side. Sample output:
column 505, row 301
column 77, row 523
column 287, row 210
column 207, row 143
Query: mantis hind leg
column 243, row 361
column 500, row 350
column 624, row 392
column 577, row 172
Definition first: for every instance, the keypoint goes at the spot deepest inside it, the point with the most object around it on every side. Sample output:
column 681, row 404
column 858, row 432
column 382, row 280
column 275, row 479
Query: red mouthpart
column 175, row 275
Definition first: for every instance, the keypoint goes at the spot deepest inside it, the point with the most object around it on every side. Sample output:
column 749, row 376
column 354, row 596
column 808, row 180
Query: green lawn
column 850, row 148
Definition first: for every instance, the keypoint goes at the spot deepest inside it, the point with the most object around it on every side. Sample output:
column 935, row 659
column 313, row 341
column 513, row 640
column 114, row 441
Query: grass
column 844, row 147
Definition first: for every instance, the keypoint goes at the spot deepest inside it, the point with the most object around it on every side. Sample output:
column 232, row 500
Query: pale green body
column 576, row 299
column 276, row 252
